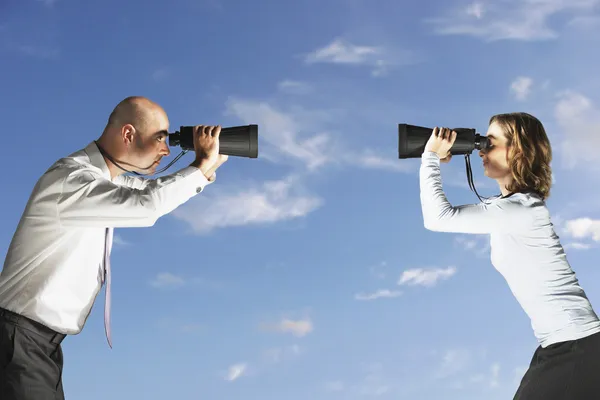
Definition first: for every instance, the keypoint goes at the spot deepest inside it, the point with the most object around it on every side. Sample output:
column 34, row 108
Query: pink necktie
column 107, row 248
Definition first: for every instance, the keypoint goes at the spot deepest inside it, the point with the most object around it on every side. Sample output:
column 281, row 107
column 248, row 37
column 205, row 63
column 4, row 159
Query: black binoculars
column 239, row 141
column 412, row 140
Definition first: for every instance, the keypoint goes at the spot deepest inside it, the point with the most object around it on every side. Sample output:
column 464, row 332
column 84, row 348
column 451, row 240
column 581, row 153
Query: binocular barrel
column 412, row 140
column 239, row 141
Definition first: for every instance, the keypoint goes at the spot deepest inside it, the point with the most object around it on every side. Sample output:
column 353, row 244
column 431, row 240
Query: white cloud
column 167, row 280
column 369, row 159
column 288, row 134
column 119, row 241
column 425, row 276
column 495, row 372
column 583, row 228
column 298, row 328
column 266, row 203
column 341, row 51
column 236, row 371
column 478, row 244
column 475, row 9
column 295, row 136
column 287, row 137
column 577, row 246
column 510, row 19
column 379, row 294
column 521, row 87
column 579, row 120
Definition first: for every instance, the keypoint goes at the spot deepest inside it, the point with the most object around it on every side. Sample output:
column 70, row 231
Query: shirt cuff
column 430, row 156
column 197, row 176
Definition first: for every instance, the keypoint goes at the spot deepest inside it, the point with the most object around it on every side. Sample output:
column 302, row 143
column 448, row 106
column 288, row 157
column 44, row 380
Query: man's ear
column 127, row 134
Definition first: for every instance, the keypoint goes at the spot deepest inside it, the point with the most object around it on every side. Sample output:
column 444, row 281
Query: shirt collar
column 97, row 159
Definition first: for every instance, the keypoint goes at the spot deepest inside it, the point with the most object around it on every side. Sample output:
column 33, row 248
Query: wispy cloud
column 427, row 277
column 167, row 280
column 288, row 135
column 341, row 51
column 478, row 244
column 521, row 87
column 294, row 87
column 119, row 241
column 453, row 362
column 371, row 160
column 258, row 204
column 579, row 120
column 379, row 294
column 295, row 136
column 509, row 19
column 298, row 328
column 236, row 371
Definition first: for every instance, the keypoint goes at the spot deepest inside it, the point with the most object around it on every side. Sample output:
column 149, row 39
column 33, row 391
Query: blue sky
column 306, row 273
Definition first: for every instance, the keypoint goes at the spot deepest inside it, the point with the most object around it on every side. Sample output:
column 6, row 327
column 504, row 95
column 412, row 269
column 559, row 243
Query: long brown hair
column 529, row 153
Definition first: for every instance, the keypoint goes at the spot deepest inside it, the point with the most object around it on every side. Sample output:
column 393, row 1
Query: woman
column 525, row 250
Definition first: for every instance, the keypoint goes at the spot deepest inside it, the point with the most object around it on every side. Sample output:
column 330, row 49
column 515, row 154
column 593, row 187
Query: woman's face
column 495, row 158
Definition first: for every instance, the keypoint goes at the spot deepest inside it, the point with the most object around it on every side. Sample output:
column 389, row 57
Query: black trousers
column 31, row 359
column 566, row 370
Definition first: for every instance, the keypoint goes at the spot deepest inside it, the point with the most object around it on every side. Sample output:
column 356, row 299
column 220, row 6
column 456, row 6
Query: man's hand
column 206, row 145
column 210, row 173
column 441, row 142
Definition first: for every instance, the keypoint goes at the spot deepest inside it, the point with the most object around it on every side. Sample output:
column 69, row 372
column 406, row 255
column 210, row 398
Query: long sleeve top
column 54, row 265
column 525, row 250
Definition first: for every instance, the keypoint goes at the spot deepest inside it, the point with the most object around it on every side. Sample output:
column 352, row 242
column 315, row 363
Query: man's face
column 151, row 145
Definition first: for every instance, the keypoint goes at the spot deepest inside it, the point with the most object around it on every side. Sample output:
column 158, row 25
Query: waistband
column 27, row 323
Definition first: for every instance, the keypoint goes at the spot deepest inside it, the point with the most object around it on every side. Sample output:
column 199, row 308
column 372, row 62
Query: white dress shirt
column 525, row 250
column 54, row 266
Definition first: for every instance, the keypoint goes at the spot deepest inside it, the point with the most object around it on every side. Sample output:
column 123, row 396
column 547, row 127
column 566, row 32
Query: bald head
column 135, row 135
column 137, row 111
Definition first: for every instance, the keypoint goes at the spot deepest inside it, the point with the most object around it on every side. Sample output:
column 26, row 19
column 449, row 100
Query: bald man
column 58, row 259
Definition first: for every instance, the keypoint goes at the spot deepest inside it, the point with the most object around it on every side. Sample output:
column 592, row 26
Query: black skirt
column 566, row 370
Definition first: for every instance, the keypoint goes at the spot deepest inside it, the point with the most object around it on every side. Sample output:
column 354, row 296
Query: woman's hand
column 441, row 142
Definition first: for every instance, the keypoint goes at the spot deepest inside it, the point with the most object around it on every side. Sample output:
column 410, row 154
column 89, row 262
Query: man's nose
column 166, row 150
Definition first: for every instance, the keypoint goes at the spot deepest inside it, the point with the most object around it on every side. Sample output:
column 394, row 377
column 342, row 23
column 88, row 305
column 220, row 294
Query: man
column 59, row 256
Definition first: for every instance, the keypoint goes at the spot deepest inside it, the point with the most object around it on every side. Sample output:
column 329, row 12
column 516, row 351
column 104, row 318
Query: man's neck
column 112, row 168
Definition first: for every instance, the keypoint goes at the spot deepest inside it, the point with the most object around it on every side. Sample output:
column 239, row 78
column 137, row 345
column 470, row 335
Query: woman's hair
column 530, row 153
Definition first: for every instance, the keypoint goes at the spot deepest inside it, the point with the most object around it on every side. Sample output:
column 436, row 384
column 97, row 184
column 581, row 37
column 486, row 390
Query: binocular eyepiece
column 239, row 141
column 412, row 140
